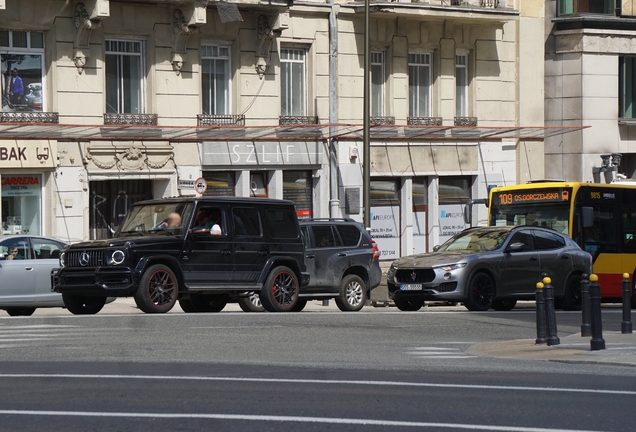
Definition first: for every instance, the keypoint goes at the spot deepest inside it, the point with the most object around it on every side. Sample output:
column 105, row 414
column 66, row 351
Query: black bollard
column 597, row 342
column 548, row 293
column 586, row 328
column 541, row 331
column 626, row 325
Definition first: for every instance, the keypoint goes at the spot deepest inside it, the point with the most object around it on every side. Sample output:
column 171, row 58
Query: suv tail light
column 376, row 249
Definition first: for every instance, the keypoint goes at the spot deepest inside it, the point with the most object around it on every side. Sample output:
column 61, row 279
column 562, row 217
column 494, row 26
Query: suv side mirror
column 517, row 247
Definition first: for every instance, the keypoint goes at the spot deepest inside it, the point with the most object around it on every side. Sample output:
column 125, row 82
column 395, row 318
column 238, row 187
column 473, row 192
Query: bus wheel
column 572, row 294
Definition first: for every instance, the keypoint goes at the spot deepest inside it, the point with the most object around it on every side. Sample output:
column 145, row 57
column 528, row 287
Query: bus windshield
column 552, row 215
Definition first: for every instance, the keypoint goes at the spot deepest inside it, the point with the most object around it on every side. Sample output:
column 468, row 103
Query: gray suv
column 342, row 260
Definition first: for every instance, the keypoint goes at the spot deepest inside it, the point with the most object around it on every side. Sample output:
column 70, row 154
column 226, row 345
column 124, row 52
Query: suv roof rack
column 327, row 220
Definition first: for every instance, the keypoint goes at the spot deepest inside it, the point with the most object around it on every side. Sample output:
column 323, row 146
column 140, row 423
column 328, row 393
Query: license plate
column 411, row 287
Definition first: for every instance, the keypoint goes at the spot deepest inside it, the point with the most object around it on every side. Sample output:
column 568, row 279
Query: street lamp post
column 366, row 167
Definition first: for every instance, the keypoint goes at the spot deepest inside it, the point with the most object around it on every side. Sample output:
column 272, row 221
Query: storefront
column 284, row 170
column 25, row 170
column 418, row 192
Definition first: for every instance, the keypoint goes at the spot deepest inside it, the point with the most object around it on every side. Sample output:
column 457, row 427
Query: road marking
column 438, row 353
column 295, row 419
column 313, row 381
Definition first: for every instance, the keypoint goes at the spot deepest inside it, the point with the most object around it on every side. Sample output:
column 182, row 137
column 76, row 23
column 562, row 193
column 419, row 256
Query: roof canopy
column 62, row 132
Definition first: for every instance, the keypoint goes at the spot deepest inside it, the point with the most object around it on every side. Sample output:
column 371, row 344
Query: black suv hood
column 133, row 241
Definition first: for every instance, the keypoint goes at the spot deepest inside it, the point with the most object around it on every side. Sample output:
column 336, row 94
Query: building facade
column 590, row 77
column 128, row 100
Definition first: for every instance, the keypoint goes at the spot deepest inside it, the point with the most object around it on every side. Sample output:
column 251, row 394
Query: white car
column 25, row 271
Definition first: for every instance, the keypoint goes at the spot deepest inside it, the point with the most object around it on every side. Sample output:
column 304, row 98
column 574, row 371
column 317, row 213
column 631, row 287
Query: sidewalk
column 620, row 349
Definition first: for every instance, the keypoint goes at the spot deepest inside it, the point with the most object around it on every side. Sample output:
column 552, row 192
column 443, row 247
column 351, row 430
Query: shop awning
column 349, row 132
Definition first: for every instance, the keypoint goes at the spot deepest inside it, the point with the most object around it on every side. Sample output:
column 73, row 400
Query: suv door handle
column 342, row 254
column 565, row 256
column 310, row 256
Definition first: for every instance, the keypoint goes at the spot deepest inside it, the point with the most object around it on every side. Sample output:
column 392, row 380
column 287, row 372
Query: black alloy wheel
column 280, row 292
column 481, row 293
column 571, row 300
column 158, row 290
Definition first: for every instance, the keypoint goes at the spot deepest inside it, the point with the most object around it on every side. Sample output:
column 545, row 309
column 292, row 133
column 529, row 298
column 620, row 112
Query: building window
column 627, row 87
column 293, row 86
column 419, row 85
column 124, row 77
column 297, row 187
column 21, row 203
column 258, row 184
column 377, row 83
column 574, row 7
column 22, row 56
column 215, row 79
column 461, row 85
column 420, row 209
column 219, row 183
column 453, row 193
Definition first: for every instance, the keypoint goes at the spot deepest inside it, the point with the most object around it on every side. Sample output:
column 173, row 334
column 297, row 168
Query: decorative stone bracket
column 265, row 34
column 87, row 16
column 185, row 22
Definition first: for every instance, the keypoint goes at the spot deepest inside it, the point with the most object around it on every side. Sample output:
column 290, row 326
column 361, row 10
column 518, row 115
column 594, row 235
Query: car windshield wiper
column 166, row 230
column 141, row 233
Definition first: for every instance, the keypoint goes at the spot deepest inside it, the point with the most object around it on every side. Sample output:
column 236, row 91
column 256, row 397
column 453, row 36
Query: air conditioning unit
column 281, row 22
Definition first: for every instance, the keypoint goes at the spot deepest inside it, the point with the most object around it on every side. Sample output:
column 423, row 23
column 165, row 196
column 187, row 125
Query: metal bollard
column 586, row 328
column 626, row 324
column 541, row 330
column 548, row 290
column 597, row 342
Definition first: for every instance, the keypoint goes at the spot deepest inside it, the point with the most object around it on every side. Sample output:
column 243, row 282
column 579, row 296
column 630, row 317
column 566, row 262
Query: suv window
column 545, row 240
column 279, row 221
column 524, row 237
column 324, row 237
column 246, row 221
column 349, row 234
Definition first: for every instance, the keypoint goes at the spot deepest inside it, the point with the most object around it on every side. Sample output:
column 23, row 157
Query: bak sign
column 28, row 154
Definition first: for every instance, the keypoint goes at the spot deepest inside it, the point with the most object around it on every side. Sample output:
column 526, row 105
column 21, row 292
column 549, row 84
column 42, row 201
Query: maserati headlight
column 115, row 257
column 449, row 267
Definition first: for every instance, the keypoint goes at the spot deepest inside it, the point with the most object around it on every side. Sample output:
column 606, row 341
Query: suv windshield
column 475, row 240
column 155, row 218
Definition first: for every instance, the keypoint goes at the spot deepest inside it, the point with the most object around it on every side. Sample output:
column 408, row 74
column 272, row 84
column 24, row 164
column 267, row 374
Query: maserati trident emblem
column 413, row 276
column 84, row 259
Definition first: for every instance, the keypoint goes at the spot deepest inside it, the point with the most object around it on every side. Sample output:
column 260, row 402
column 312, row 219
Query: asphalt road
column 317, row 370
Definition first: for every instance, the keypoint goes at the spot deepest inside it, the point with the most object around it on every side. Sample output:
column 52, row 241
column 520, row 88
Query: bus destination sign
column 530, row 196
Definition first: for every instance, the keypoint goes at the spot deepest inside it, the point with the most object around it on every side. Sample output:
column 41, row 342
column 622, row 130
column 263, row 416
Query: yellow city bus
column 601, row 218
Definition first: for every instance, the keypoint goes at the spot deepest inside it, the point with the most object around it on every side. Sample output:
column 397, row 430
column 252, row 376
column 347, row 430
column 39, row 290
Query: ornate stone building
column 129, row 100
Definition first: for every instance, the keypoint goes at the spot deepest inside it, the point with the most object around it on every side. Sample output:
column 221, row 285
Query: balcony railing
column 220, row 120
column 130, row 119
column 492, row 4
column 382, row 120
column 297, row 120
column 29, row 117
column 465, row 121
column 424, row 121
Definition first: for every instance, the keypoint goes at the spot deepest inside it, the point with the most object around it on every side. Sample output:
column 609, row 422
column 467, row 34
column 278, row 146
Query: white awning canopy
column 349, row 132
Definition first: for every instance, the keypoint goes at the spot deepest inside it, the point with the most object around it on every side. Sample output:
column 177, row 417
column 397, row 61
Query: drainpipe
column 334, row 202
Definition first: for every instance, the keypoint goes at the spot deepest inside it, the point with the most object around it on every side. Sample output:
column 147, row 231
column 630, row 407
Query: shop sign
column 27, row 154
column 20, row 185
column 261, row 153
column 451, row 220
column 185, row 185
column 384, row 230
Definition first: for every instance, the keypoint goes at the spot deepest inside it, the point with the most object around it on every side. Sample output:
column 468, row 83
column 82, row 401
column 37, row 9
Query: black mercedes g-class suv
column 203, row 252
